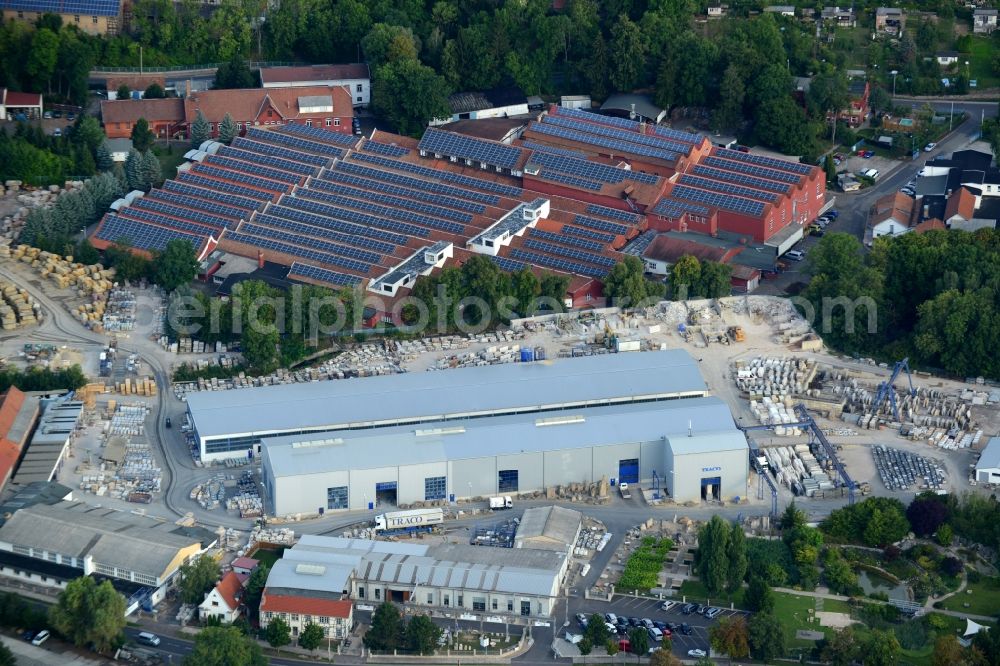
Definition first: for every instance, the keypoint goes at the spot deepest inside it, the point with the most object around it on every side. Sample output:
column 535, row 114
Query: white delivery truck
column 417, row 519
column 502, row 502
column 623, row 489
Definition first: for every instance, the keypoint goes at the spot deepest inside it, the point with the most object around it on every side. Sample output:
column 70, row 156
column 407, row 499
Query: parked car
column 40, row 637
column 686, row 629
column 929, row 147
column 47, row 115
column 687, row 609
column 713, row 613
column 819, row 233
column 168, row 423
column 697, row 653
column 581, row 619
column 794, row 255
column 655, row 634
column 611, row 618
column 57, row 131
column 832, row 213
column 869, row 154
column 356, row 125
column 667, row 605
column 57, row 114
column 28, row 635
column 634, row 622
column 70, row 116
column 646, row 622
column 148, row 639
column 871, row 173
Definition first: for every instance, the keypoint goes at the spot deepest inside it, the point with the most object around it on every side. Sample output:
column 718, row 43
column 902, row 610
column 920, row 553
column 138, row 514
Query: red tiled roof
column 283, row 603
column 10, row 404
column 245, row 563
column 929, row 225
column 9, row 453
column 314, row 73
column 962, row 203
column 11, row 98
column 229, row 588
column 247, row 104
column 896, row 206
column 136, row 81
column 665, row 248
column 170, row 109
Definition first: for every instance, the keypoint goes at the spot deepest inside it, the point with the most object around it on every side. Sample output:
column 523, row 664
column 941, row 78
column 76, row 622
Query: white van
column 655, row 634
column 148, row 638
column 795, row 255
column 40, row 637
column 871, row 173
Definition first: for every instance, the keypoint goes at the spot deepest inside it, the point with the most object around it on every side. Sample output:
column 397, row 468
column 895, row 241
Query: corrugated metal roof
column 458, row 393
column 990, row 458
column 709, row 418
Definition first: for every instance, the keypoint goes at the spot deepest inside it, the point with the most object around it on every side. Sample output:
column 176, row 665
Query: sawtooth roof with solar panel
column 380, row 211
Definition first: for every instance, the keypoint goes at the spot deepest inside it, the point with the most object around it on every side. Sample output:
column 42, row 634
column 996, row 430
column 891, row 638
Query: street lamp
column 894, row 73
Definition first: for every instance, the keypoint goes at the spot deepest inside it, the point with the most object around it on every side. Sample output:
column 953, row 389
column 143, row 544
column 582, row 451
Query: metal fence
column 253, row 64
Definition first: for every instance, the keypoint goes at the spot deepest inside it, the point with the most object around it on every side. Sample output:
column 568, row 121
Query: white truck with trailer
column 413, row 520
column 501, row 502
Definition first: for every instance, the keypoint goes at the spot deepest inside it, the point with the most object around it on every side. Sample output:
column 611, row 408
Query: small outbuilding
column 548, row 528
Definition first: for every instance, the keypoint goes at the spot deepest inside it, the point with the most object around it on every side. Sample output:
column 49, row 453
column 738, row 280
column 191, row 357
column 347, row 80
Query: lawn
column 267, row 556
column 981, row 63
column 695, row 592
column 794, row 613
column 853, row 43
column 984, row 600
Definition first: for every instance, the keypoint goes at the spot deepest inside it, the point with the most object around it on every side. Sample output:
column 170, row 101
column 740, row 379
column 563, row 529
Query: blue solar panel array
column 568, row 179
column 184, row 213
column 248, row 169
column 570, row 240
column 612, row 145
column 200, row 204
column 320, row 134
column 728, row 188
column 467, row 147
column 322, row 232
column 638, row 245
column 673, row 208
column 164, row 221
column 794, row 167
column 459, row 179
column 143, row 236
column 300, row 270
column 355, row 216
column 325, row 221
column 269, row 160
column 622, row 135
column 239, row 177
column 381, row 186
column 614, row 213
column 570, row 252
column 565, row 152
column 409, row 181
column 430, row 209
column 507, row 264
column 186, row 187
column 685, row 137
column 293, row 141
column 752, row 169
column 386, row 211
column 726, row 201
column 82, row 7
column 591, row 170
column 385, row 149
column 743, row 179
column 587, row 233
column 557, row 263
column 286, row 248
column 192, row 178
column 601, row 225
column 348, row 257
column 279, row 151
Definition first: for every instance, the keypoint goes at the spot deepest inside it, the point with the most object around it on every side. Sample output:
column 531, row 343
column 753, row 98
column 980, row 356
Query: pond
column 872, row 582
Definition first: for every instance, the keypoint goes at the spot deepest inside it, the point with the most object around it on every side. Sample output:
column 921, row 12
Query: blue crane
column 885, row 389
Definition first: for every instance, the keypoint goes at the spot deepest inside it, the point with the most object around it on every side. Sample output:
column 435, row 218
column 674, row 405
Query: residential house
column 984, row 21
column 892, row 215
column 244, row 566
column 946, row 58
column 784, row 10
column 660, row 255
column 356, row 78
column 857, row 110
column 962, row 211
column 20, row 105
column 93, row 18
column 890, row 20
column 717, row 10
column 223, row 600
column 839, row 17
column 136, row 84
column 165, row 117
column 334, row 616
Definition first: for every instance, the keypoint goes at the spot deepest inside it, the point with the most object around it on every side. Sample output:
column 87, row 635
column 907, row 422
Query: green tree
column 767, row 637
column 40, row 63
column 177, row 265
column 133, row 171
column 224, row 646
column 386, row 629
column 758, row 596
column 103, row 159
column 88, row 133
column 736, row 554
column 830, row 168
column 422, row 634
column 278, row 633
column 926, row 513
column 715, row 280
column 197, row 578
column 947, row 652
column 597, row 630
column 85, row 253
column 89, row 613
column 227, row 129
column 627, row 287
column 554, row 289
column 150, row 170
column 628, row 55
column 882, row 649
column 311, row 637
column 782, row 124
column 200, row 130
column 260, row 335
column 526, row 290
column 638, row 641
column 685, row 278
column 123, row 92
column 731, row 637
column 842, row 649
column 729, row 114
column 7, row 657
column 611, row 647
column 585, row 645
column 597, row 69
column 154, row 91
column 234, row 74
column 839, row 575
column 408, row 94
column 663, row 657
column 713, row 546
column 827, row 93
column 255, row 588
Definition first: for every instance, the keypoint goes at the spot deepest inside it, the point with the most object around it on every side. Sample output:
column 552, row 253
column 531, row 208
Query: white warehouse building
column 508, row 429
